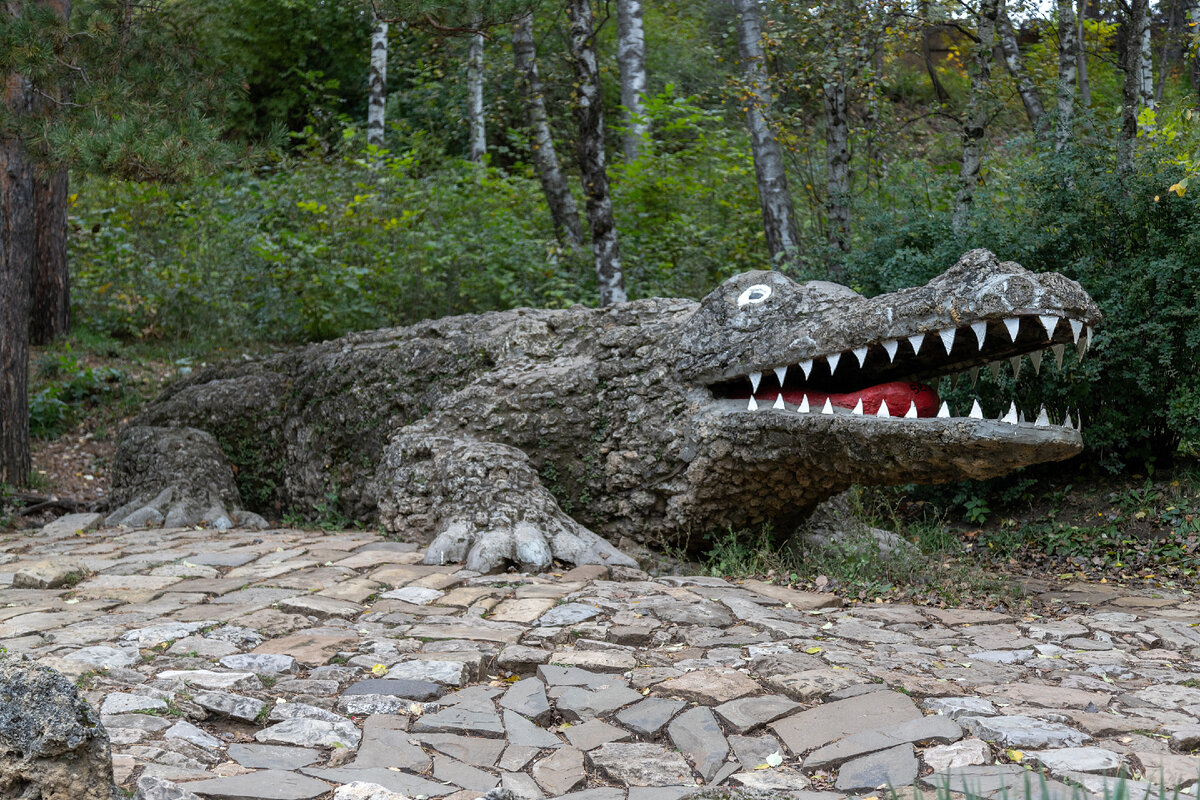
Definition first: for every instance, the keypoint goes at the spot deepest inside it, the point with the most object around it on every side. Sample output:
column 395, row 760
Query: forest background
column 228, row 193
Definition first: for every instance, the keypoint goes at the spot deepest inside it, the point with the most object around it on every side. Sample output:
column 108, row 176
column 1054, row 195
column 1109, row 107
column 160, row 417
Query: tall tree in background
column 377, row 84
column 1146, row 66
column 478, row 137
column 1068, row 50
column 1129, row 54
column 631, row 58
column 1026, row 88
column 545, row 159
column 977, row 112
column 1082, row 78
column 779, row 219
column 589, row 116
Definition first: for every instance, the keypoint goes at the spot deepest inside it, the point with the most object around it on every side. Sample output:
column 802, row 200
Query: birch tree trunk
column 589, row 115
column 1068, row 50
column 545, row 159
column 1016, row 67
column 1146, row 89
column 837, row 161
column 779, row 220
column 1085, row 85
column 50, row 283
column 1129, row 50
column 478, row 141
column 631, row 58
column 975, row 124
column 377, row 85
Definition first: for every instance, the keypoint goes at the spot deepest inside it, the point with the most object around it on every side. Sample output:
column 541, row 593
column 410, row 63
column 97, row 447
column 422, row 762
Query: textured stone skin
column 512, row 436
column 52, row 745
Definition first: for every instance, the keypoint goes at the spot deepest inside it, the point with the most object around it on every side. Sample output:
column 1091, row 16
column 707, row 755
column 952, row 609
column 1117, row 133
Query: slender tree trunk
column 545, row 159
column 939, row 91
column 837, row 160
column 1016, row 67
column 1085, row 85
column 377, row 85
column 631, row 58
column 589, row 114
column 50, row 311
column 975, row 124
column 1068, row 50
column 1129, row 49
column 1146, row 88
column 779, row 219
column 478, row 144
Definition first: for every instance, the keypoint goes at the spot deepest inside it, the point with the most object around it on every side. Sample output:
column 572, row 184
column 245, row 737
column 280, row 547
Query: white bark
column 779, row 219
column 1016, row 67
column 837, row 161
column 478, row 140
column 589, row 114
column 975, row 124
column 1085, row 85
column 631, row 58
column 1129, row 47
column 1146, row 91
column 377, row 89
column 545, row 159
column 1068, row 50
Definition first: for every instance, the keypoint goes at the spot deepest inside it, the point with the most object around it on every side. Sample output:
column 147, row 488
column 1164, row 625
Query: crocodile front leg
column 482, row 503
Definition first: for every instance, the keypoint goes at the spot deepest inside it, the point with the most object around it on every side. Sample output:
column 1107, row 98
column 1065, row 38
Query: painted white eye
column 758, row 293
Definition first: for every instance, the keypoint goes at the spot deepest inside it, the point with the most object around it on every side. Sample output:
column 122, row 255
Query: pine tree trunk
column 779, row 219
column 1085, row 85
column 631, row 58
column 50, row 311
column 478, row 144
column 837, row 161
column 377, row 85
column 589, row 115
column 1068, row 50
column 1016, row 67
column 545, row 159
column 975, row 124
column 1129, row 52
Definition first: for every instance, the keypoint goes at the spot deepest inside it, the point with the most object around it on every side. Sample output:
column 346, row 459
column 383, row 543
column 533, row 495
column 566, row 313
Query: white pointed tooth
column 1012, row 324
column 947, row 339
column 1079, row 424
column 833, row 362
column 883, row 409
column 858, row 408
column 1043, row 419
column 912, row 410
column 944, row 411
column 1058, row 349
column 861, row 354
column 806, row 366
column 752, row 405
column 976, row 411
column 778, row 402
column 916, row 340
column 980, row 329
column 1016, row 365
column 994, row 368
column 755, row 379
column 1076, row 329
column 804, row 407
column 974, row 373
column 1049, row 322
column 827, row 408
column 781, row 374
column 1011, row 417
column 1087, row 339
column 890, row 347
column 1035, row 358
column 1067, row 421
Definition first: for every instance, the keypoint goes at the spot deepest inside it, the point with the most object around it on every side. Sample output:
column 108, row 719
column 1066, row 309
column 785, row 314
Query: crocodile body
column 518, row 436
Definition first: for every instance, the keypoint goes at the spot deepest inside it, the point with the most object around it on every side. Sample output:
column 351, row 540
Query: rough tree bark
column 50, row 295
column 377, row 85
column 779, row 219
column 837, row 160
column 1068, row 50
column 1085, row 85
column 589, row 115
column 975, row 123
column 478, row 140
column 631, row 58
column 545, row 159
column 1146, row 87
column 1016, row 67
column 1129, row 50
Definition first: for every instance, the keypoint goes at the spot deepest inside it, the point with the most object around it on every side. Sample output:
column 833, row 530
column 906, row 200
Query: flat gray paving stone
column 105, row 656
column 517, row 757
column 421, row 691
column 813, row 684
column 474, row 750
column 386, row 743
column 523, row 733
column 659, row 792
column 1093, row 760
column 447, row 673
column 150, row 787
column 401, row 782
column 749, row 713
column 1108, row 787
column 270, row 784
column 1023, row 732
column 528, row 698
column 560, row 772
column 773, row 783
column 941, row 730
column 830, row 721
column 998, row 781
column 955, row 707
column 123, row 703
column 752, row 751
column 311, row 686
column 142, row 722
column 964, row 753
column 577, row 704
column 269, row 756
column 709, row 686
column 208, row 679
column 227, row 558
column 567, row 614
column 649, row 716
column 464, row 775
column 188, row 732
column 641, row 764
column 231, row 705
column 553, row 675
column 593, row 733
column 311, row 733
column 462, row 719
column 894, row 767
column 260, row 663
column 362, row 705
column 698, row 736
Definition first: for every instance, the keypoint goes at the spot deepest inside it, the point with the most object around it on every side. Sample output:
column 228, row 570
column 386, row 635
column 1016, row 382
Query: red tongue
column 899, row 397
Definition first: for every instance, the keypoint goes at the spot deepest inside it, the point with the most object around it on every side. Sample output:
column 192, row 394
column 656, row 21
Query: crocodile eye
column 756, row 294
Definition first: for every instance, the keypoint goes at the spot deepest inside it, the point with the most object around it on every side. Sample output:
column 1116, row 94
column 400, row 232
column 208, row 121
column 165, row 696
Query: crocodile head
column 816, row 380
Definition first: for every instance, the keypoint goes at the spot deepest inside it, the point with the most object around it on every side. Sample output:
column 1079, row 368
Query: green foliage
column 66, row 389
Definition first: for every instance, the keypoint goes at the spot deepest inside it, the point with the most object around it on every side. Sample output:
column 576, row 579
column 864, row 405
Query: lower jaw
column 899, row 396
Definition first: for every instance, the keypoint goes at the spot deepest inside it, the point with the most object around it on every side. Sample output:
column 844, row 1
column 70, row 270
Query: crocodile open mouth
column 895, row 377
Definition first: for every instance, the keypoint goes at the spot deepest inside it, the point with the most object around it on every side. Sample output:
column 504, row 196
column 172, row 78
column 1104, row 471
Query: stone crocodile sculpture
column 518, row 436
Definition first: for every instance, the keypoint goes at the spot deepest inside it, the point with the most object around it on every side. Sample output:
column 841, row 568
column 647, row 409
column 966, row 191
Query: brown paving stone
column 709, row 686
column 830, row 721
column 402, row 575
column 804, row 601
column 310, row 649
column 354, row 590
column 129, row 588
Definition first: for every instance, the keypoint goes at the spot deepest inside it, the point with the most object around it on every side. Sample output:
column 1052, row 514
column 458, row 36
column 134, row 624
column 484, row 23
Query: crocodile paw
column 532, row 547
column 172, row 508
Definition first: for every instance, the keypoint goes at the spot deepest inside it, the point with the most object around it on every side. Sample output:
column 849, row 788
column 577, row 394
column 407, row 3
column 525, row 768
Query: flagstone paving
column 298, row 664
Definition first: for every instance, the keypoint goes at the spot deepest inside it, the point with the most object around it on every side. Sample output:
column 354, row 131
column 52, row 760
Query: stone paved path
column 298, row 664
